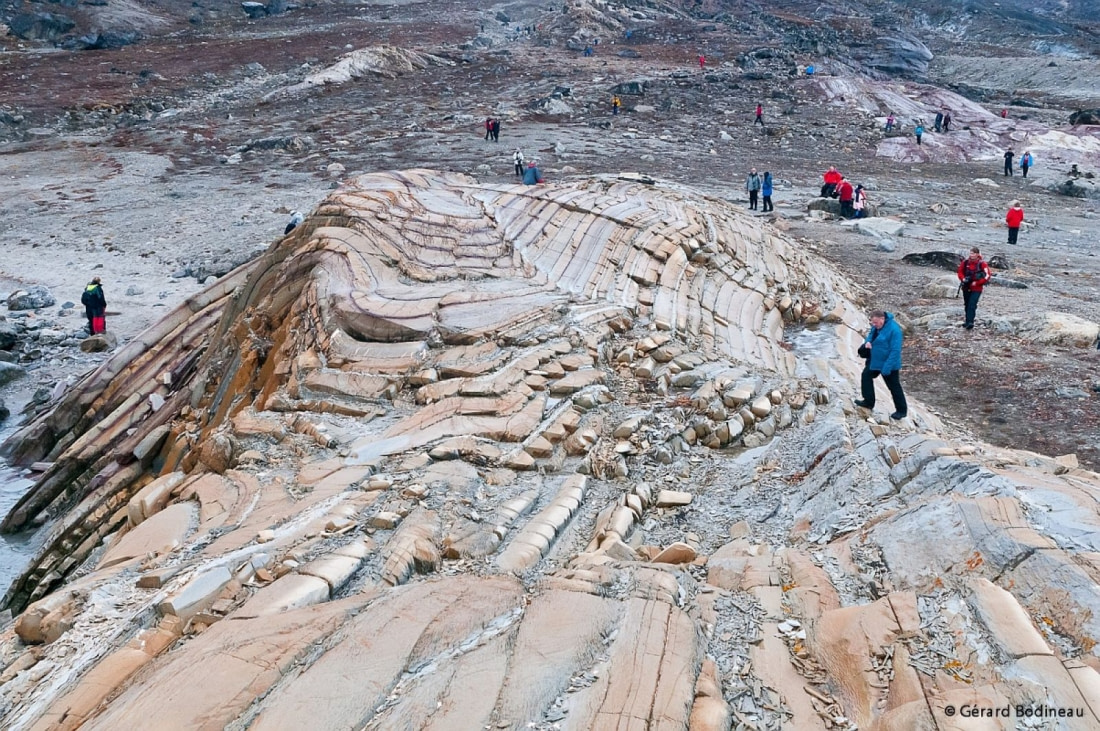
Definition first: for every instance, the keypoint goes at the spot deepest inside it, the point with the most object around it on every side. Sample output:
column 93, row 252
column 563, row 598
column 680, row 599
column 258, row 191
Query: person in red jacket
column 973, row 275
column 759, row 115
column 832, row 179
column 846, row 195
column 1013, row 219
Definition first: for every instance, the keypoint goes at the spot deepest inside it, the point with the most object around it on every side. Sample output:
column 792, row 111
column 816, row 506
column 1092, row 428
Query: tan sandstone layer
column 454, row 455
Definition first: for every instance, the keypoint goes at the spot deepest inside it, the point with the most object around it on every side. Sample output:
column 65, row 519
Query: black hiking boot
column 898, row 416
column 863, row 404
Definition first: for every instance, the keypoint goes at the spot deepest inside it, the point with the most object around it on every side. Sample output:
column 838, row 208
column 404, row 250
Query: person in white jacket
column 517, row 161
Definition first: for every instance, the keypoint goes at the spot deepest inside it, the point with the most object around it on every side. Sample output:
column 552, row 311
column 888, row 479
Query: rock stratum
column 459, row 455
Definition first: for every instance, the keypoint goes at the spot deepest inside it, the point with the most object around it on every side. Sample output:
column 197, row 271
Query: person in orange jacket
column 1013, row 219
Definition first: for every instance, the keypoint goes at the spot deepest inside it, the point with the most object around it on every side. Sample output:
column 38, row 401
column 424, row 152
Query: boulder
column 40, row 26
column 32, row 298
column 676, row 553
column 8, row 336
column 47, row 619
column 941, row 287
column 941, row 259
column 99, row 343
column 629, row 88
column 254, row 10
column 899, row 53
column 1085, row 116
column 103, row 41
column 876, row 226
column 1059, row 328
column 1077, row 188
column 9, row 372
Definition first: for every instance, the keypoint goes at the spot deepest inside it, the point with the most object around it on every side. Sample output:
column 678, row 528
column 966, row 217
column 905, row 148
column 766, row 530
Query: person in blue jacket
column 532, row 175
column 766, row 192
column 1026, row 161
column 882, row 349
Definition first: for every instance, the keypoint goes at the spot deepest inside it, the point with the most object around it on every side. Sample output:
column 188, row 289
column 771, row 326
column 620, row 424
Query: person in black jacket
column 95, row 304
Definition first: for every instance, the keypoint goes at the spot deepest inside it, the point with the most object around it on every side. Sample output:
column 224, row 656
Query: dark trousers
column 970, row 305
column 1023, row 169
column 892, row 381
column 768, row 203
column 488, row 133
column 828, row 190
column 1008, row 168
column 753, row 198
column 918, row 139
column 1012, row 234
column 759, row 120
column 846, row 209
column 519, row 168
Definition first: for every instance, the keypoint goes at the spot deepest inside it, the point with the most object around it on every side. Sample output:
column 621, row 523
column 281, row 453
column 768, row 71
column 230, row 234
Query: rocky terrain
column 421, row 431
column 621, row 390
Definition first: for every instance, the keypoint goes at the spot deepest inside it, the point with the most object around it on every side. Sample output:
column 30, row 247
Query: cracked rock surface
column 456, row 454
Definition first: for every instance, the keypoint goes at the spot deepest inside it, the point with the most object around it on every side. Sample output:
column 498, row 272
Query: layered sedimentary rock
column 455, row 455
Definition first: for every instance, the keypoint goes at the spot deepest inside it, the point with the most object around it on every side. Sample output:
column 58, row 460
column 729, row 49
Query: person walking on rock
column 1004, row 112
column 496, row 130
column 846, row 195
column 766, row 192
column 1025, row 162
column 973, row 275
column 1013, row 219
column 517, row 162
column 753, row 184
column 939, row 122
column 882, row 349
column 947, row 121
column 759, row 115
column 1009, row 154
column 95, row 306
column 616, row 102
column 891, row 122
column 702, row 61
column 919, row 132
column 488, row 128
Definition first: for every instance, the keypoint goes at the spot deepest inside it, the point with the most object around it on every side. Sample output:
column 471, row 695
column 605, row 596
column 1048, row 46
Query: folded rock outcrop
column 455, row 455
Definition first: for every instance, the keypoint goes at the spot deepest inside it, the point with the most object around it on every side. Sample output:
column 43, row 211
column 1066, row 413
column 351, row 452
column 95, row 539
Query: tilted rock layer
column 454, row 455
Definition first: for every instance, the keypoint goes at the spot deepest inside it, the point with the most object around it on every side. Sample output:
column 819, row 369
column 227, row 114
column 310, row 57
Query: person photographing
column 973, row 276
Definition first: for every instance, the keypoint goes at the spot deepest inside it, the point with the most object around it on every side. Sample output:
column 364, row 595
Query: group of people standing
column 1026, row 161
column 942, row 123
column 853, row 200
column 760, row 186
column 492, row 129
